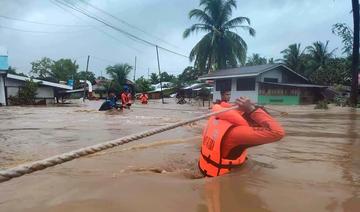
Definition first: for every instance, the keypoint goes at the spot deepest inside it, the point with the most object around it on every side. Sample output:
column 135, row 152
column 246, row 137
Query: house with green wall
column 265, row 84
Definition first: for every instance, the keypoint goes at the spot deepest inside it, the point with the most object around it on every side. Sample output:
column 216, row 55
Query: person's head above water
column 225, row 96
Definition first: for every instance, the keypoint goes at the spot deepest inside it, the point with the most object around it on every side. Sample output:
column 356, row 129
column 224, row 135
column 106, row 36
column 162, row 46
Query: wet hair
column 223, row 92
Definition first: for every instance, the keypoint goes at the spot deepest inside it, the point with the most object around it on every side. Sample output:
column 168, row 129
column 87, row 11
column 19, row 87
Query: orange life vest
column 211, row 162
column 143, row 98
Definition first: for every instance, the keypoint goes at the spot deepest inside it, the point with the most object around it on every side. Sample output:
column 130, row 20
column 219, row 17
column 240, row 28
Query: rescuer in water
column 227, row 136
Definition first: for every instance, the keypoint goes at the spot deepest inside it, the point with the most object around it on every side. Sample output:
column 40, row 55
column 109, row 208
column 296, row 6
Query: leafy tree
column 344, row 31
column 293, row 57
column 336, row 71
column 165, row 77
column 12, row 70
column 154, row 78
column 118, row 74
column 143, row 85
column 190, row 75
column 221, row 47
column 42, row 68
column 256, row 59
column 320, row 54
column 26, row 95
column 64, row 69
column 83, row 75
column 271, row 61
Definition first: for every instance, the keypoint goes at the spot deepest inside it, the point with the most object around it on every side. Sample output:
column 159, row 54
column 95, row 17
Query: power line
column 41, row 23
column 96, row 28
column 67, row 4
column 126, row 23
column 43, row 32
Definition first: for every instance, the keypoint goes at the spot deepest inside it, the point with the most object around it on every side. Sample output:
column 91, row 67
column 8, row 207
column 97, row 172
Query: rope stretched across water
column 28, row 168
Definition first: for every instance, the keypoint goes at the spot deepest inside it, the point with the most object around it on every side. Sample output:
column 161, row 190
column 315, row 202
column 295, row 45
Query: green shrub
column 322, row 105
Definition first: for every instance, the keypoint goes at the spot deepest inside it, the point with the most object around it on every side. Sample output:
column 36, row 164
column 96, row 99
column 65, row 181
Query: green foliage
column 54, row 71
column 118, row 74
column 86, row 75
column 154, row 78
column 256, row 59
column 322, row 105
column 26, row 95
column 341, row 100
column 42, row 68
column 346, row 34
column 221, row 47
column 165, row 77
column 64, row 69
column 142, row 85
column 293, row 57
column 12, row 70
column 335, row 71
column 190, row 75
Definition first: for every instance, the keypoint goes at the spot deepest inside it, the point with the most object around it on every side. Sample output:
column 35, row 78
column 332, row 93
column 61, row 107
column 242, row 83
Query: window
column 266, row 79
column 245, row 84
column 223, row 85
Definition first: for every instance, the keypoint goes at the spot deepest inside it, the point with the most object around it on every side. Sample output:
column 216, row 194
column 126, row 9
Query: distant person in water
column 126, row 98
column 143, row 98
column 110, row 102
column 225, row 97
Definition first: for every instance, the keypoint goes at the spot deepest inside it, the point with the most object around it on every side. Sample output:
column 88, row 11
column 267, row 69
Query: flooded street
column 316, row 167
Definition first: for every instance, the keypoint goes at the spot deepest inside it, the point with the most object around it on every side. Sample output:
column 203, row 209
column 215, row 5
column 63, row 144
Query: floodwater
column 316, row 167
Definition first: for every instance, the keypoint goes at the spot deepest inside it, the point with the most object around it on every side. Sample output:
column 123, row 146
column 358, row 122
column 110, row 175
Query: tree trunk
column 355, row 55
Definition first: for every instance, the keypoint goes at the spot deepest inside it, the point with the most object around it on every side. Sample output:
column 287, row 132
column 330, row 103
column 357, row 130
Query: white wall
column 272, row 74
column 45, row 92
column 253, row 95
column 2, row 90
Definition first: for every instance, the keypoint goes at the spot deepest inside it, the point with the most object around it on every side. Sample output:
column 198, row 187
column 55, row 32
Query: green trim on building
column 279, row 100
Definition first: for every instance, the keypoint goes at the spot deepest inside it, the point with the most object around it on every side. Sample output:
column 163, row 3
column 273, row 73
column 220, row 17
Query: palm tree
column 118, row 73
column 293, row 57
column 319, row 53
column 256, row 59
column 220, row 47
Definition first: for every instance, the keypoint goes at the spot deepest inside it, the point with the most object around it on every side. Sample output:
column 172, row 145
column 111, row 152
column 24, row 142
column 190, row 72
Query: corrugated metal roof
column 245, row 71
column 239, row 72
column 295, row 85
column 51, row 84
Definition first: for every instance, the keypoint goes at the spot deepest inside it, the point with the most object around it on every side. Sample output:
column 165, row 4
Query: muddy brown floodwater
column 316, row 167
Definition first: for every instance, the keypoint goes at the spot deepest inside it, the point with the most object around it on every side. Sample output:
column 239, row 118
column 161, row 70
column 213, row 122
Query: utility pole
column 148, row 73
column 135, row 70
column 355, row 55
column 87, row 68
column 161, row 92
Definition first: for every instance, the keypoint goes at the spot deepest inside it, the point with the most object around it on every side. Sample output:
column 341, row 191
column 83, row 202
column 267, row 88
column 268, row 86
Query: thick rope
column 62, row 158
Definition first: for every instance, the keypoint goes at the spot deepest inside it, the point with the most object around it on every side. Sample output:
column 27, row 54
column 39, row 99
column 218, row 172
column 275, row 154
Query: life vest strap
column 220, row 166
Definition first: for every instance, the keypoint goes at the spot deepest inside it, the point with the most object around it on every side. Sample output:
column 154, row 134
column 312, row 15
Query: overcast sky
column 278, row 23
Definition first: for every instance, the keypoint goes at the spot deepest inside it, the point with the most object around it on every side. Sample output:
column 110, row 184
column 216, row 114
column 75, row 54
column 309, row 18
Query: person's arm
column 269, row 130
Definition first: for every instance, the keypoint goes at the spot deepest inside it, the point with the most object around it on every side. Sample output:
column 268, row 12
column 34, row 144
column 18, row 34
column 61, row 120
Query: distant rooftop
column 244, row 71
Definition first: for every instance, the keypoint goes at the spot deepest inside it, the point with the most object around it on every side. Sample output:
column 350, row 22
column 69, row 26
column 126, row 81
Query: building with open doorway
column 265, row 84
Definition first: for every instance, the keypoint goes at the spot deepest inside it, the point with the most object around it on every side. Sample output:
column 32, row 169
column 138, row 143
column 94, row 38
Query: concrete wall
column 236, row 94
column 2, row 90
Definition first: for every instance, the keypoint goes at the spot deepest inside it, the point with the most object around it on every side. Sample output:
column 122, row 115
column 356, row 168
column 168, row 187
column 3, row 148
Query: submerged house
column 10, row 84
column 266, row 84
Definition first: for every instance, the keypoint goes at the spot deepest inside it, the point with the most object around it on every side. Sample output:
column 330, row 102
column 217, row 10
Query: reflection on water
column 316, row 167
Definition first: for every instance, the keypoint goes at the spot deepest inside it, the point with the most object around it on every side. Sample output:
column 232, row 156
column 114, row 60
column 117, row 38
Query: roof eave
column 226, row 77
